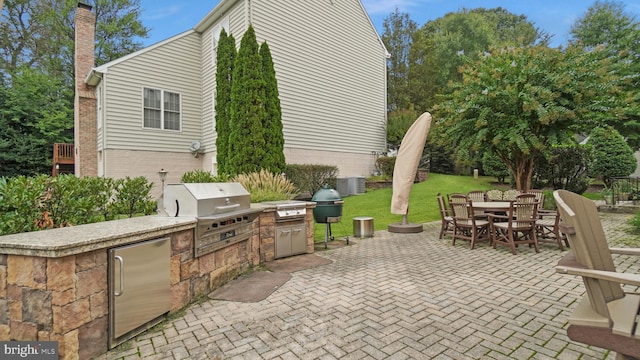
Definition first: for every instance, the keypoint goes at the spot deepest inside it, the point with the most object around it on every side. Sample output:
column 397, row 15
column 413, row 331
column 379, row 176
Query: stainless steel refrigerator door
column 139, row 285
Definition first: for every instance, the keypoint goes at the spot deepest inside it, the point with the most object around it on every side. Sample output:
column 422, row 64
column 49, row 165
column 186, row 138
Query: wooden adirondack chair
column 607, row 316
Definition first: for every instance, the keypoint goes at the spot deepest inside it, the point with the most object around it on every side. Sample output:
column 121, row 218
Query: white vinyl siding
column 224, row 24
column 331, row 73
column 235, row 17
column 173, row 66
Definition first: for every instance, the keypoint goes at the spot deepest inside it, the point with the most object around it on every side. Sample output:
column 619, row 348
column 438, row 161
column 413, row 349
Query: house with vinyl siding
column 153, row 108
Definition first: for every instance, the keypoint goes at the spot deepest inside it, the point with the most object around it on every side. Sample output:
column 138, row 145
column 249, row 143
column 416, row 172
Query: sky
column 166, row 18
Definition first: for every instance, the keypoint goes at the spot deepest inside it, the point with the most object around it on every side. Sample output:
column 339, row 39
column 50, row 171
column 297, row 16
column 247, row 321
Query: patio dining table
column 491, row 206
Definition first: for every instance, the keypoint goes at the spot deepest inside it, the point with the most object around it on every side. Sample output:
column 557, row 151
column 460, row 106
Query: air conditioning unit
column 357, row 185
column 342, row 186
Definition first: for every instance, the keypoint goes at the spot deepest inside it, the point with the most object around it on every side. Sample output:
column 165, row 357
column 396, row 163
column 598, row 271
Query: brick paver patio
column 394, row 296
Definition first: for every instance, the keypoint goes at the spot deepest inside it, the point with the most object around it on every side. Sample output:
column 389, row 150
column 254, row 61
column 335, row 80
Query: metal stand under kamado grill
column 328, row 209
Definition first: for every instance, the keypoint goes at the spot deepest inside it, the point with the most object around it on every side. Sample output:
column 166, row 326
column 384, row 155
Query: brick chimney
column 85, row 103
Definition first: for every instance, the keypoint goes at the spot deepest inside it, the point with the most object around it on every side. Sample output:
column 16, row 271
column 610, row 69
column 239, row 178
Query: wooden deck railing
column 63, row 154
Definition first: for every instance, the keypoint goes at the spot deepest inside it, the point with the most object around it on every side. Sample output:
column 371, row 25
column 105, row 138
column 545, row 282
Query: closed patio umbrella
column 405, row 170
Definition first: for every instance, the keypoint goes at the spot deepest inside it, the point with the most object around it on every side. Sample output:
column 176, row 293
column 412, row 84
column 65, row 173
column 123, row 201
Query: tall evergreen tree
column 224, row 70
column 246, row 140
column 398, row 37
column 272, row 124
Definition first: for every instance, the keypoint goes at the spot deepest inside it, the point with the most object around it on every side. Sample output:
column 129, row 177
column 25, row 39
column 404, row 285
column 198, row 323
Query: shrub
column 635, row 223
column 201, row 176
column 386, row 165
column 612, row 156
column 20, row 199
column 566, row 168
column 43, row 202
column 266, row 186
column 134, row 196
column 71, row 201
column 311, row 178
column 493, row 166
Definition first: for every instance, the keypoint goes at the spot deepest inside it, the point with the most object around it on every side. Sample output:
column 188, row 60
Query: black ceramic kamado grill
column 223, row 212
column 328, row 209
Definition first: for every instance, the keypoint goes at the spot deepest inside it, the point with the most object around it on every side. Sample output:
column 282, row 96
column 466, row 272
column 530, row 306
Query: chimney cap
column 84, row 6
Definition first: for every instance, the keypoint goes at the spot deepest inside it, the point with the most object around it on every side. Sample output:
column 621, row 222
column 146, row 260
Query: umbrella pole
column 405, row 217
column 405, row 226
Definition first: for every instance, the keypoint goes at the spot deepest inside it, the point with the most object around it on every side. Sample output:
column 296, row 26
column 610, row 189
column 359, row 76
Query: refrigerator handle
column 121, row 261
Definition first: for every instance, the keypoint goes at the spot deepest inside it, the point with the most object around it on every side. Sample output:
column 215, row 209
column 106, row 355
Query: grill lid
column 205, row 199
column 326, row 195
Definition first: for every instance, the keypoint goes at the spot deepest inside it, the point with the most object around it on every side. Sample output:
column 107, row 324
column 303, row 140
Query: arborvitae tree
column 224, row 70
column 272, row 124
column 246, row 141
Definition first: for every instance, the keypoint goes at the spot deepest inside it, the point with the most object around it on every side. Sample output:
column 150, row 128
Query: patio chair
column 539, row 197
column 445, row 216
column 477, row 195
column 510, row 195
column 517, row 227
column 548, row 228
column 526, row 198
column 494, row 195
column 465, row 225
column 607, row 316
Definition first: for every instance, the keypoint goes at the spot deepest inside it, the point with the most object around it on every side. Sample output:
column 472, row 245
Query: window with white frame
column 161, row 109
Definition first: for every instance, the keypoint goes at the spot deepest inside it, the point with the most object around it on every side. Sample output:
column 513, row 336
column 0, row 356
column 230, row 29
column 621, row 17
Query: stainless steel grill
column 289, row 210
column 223, row 212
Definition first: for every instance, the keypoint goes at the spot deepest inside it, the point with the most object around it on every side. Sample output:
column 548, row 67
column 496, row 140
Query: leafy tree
column 40, row 34
column 517, row 102
column 423, row 72
column 246, row 140
column 397, row 37
column 273, row 160
column 440, row 158
column 566, row 167
column 34, row 115
column 439, row 45
column 607, row 27
column 37, row 73
column 493, row 166
column 611, row 155
column 225, row 58
column 398, row 122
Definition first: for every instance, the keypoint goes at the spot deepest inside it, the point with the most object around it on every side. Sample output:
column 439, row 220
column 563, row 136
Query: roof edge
column 214, row 15
column 102, row 69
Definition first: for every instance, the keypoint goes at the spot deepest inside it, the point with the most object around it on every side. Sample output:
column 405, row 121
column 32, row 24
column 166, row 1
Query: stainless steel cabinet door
column 139, row 285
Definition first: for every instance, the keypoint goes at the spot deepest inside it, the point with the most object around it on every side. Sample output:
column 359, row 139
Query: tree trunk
column 524, row 173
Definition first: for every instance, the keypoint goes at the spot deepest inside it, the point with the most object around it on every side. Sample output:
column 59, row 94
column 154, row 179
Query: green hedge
column 42, row 202
column 310, row 178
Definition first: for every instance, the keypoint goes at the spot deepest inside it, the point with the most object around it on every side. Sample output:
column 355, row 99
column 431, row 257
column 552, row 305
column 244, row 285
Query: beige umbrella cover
column 407, row 162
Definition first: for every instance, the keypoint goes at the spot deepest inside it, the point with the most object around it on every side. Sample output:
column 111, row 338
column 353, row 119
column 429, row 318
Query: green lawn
column 423, row 206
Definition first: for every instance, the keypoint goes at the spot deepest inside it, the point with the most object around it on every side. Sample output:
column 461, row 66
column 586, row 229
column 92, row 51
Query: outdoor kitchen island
column 55, row 285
